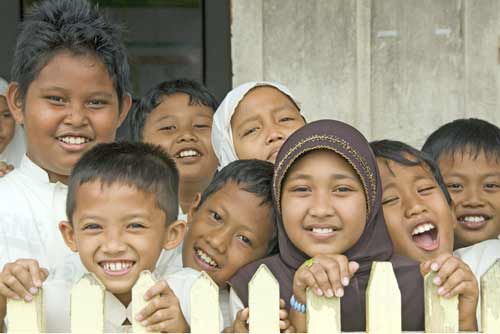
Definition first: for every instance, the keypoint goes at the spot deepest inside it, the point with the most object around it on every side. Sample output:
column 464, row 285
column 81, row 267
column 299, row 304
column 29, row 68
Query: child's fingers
column 240, row 323
column 322, row 279
column 446, row 269
column 161, row 327
column 290, row 329
column 333, row 269
column 282, row 303
column 159, row 288
column 37, row 276
column 284, row 324
column 436, row 263
column 8, row 293
column 243, row 314
column 160, row 315
column 353, row 267
column 306, row 280
column 13, row 284
column 154, row 304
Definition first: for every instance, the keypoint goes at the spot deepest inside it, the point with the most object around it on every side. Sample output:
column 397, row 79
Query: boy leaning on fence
column 122, row 207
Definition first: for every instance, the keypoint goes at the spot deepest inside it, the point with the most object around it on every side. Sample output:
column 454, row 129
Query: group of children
column 223, row 189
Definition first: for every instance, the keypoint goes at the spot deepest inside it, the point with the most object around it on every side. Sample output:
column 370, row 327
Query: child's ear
column 14, row 102
column 175, row 234
column 194, row 206
column 68, row 234
column 126, row 104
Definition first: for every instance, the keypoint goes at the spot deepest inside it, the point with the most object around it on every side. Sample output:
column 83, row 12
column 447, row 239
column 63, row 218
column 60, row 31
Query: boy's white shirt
column 480, row 257
column 31, row 208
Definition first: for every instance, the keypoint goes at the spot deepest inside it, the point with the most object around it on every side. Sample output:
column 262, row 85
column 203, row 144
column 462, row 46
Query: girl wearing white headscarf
column 15, row 148
column 222, row 131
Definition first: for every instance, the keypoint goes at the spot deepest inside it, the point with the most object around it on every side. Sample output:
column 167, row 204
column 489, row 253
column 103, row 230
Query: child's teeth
column 322, row 230
column 117, row 266
column 188, row 153
column 423, row 228
column 73, row 140
column 204, row 256
column 474, row 219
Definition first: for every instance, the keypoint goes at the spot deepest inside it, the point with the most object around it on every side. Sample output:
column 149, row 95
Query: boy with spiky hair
column 177, row 115
column 122, row 209
column 468, row 154
column 69, row 91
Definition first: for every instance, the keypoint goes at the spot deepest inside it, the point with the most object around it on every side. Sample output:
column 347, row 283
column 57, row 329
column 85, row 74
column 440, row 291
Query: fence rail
column 383, row 309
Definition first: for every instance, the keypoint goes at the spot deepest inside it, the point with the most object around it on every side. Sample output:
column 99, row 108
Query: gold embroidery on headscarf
column 370, row 192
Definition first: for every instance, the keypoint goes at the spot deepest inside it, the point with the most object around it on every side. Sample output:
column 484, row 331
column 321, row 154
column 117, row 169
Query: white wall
column 393, row 68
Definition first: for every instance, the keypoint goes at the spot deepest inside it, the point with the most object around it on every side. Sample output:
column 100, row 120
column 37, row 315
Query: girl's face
column 7, row 124
column 263, row 120
column 323, row 204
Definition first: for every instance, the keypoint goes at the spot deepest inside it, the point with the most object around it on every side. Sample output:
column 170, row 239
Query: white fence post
column 323, row 314
column 264, row 302
column 441, row 314
column 490, row 299
column 26, row 317
column 204, row 301
column 87, row 305
column 383, row 300
column 146, row 280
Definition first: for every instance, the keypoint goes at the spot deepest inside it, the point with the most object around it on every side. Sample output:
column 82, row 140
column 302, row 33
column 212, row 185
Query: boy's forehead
column 393, row 169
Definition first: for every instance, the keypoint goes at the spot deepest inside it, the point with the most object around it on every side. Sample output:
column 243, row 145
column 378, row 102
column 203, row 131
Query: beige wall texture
column 393, row 68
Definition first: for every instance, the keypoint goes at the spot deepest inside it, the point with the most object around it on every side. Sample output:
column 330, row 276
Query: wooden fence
column 383, row 306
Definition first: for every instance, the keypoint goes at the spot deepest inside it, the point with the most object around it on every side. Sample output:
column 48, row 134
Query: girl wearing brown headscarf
column 327, row 193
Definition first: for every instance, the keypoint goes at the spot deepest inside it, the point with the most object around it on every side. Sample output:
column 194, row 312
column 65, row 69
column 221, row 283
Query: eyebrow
column 415, row 179
column 336, row 176
column 46, row 90
column 255, row 117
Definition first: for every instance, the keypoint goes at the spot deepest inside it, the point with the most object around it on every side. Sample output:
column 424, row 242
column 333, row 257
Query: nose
column 471, row 198
column 77, row 115
column 219, row 239
column 322, row 207
column 414, row 206
column 274, row 134
column 187, row 135
column 113, row 243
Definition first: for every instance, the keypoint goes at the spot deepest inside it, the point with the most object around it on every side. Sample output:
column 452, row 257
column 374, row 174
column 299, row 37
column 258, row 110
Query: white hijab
column 16, row 149
column 222, row 136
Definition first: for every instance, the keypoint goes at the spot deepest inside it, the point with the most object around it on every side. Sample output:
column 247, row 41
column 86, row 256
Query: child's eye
column 491, row 186
column 299, row 189
column 454, row 186
column 168, row 128
column 97, row 103
column 342, row 189
column 244, row 239
column 286, row 119
column 215, row 216
column 135, row 225
column 201, row 126
column 389, row 200
column 56, row 99
column 91, row 226
column 426, row 190
column 249, row 132
column 6, row 114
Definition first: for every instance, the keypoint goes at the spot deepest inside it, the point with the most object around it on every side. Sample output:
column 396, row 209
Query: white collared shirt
column 31, row 208
column 480, row 257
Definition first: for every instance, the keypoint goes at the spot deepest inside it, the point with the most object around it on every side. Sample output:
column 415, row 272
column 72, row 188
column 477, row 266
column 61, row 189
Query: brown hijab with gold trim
column 373, row 245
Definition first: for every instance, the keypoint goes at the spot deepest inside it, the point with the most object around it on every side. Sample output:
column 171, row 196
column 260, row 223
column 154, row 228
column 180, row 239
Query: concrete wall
column 393, row 68
column 9, row 23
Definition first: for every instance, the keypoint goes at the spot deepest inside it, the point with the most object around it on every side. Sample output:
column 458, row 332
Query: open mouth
column 188, row 153
column 74, row 140
column 425, row 236
column 473, row 222
column 205, row 260
column 117, row 268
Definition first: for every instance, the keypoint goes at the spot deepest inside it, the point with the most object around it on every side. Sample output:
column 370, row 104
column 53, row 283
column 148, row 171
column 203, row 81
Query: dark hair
column 146, row 167
column 465, row 136
column 76, row 26
column 254, row 176
column 407, row 155
column 197, row 92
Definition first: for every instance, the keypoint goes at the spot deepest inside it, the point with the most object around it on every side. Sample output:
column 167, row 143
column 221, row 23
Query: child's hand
column 22, row 279
column 454, row 277
column 163, row 313
column 325, row 274
column 240, row 324
column 5, row 168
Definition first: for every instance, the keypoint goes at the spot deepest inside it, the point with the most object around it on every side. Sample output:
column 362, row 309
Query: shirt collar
column 34, row 171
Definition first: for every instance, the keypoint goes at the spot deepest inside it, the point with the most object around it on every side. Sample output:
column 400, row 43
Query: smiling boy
column 122, row 205
column 177, row 115
column 468, row 154
column 69, row 92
